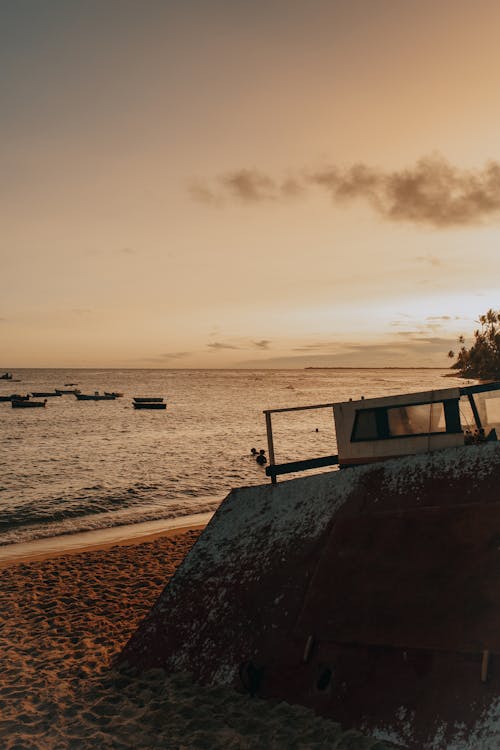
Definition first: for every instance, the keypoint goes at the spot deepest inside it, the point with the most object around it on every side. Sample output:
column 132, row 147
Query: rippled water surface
column 79, row 465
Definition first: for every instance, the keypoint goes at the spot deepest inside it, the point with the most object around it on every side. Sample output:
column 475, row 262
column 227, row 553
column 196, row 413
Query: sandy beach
column 64, row 619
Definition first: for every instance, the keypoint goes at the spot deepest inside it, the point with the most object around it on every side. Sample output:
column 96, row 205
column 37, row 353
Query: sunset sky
column 219, row 183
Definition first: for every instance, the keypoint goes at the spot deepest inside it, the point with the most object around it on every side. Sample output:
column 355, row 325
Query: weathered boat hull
column 369, row 594
column 148, row 400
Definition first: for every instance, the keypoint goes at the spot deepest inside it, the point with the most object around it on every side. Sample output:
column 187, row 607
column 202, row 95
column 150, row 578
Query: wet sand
column 64, row 619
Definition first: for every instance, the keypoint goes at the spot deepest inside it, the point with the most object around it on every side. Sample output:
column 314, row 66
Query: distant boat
column 44, row 394
column 149, row 405
column 69, row 384
column 147, row 399
column 8, row 376
column 62, row 391
column 14, row 397
column 114, row 394
column 94, row 397
column 22, row 404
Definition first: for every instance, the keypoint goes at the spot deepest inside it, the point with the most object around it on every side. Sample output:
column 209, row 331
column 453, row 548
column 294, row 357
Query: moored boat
column 149, row 405
column 44, row 394
column 15, row 397
column 94, row 397
column 6, row 376
column 21, row 404
column 64, row 391
column 113, row 394
column 148, row 399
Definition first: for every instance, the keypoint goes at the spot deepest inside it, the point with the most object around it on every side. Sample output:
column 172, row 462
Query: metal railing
column 274, row 469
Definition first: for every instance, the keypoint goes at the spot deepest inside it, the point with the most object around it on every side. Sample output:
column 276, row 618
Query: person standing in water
column 261, row 458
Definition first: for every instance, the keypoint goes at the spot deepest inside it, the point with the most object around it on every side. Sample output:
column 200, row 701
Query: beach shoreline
column 99, row 539
column 63, row 624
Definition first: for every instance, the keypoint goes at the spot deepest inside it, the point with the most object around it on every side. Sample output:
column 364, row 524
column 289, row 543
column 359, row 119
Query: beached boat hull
column 369, row 594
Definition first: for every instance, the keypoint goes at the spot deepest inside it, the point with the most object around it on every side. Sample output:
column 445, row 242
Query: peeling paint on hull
column 369, row 594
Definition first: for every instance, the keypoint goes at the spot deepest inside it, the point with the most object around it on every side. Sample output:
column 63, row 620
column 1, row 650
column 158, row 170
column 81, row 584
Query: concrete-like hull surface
column 370, row 594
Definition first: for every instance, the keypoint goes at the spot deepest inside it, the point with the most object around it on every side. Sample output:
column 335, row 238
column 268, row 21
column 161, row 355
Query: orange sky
column 230, row 183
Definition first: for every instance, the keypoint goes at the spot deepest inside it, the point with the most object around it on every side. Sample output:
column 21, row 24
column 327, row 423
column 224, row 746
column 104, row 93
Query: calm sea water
column 77, row 465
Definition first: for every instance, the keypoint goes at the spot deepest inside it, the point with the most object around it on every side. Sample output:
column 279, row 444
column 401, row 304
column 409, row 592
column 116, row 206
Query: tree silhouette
column 482, row 359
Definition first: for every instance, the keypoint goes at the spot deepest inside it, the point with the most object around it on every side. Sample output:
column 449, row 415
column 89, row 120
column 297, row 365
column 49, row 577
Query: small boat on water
column 68, row 385
column 14, row 397
column 113, row 394
column 44, row 394
column 94, row 397
column 22, row 404
column 149, row 405
column 147, row 399
column 8, row 376
column 62, row 391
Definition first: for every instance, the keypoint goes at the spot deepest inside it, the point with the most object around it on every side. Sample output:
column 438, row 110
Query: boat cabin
column 377, row 429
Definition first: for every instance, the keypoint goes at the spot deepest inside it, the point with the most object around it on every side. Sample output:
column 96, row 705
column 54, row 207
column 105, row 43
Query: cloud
column 166, row 357
column 217, row 345
column 247, row 185
column 250, row 185
column 313, row 347
column 262, row 344
column 202, row 193
column 174, row 355
column 431, row 192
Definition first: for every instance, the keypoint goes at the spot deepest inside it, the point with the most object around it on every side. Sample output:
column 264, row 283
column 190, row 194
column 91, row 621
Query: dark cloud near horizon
column 168, row 356
column 217, row 346
column 262, row 344
column 431, row 192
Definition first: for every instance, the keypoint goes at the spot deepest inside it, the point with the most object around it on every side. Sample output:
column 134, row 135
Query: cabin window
column 416, row 419
column 365, row 427
column 384, row 423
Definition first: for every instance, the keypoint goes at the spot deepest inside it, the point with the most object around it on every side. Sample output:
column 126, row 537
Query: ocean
column 81, row 465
